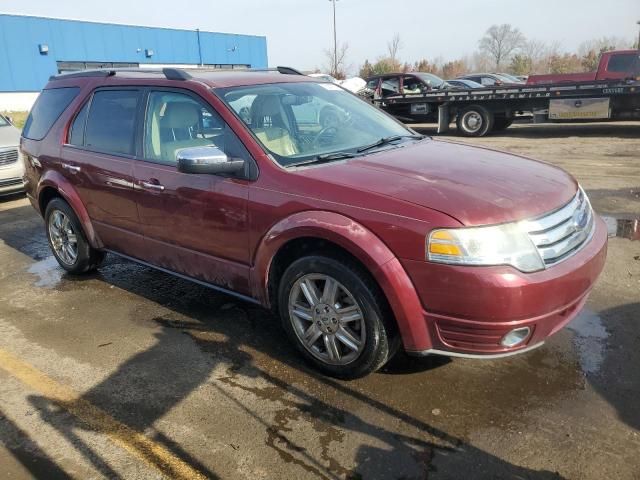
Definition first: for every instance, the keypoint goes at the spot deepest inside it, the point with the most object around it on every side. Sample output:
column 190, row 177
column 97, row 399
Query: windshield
column 303, row 121
column 433, row 81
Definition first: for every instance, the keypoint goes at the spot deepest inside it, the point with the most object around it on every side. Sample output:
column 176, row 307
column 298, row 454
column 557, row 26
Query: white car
column 11, row 165
column 353, row 84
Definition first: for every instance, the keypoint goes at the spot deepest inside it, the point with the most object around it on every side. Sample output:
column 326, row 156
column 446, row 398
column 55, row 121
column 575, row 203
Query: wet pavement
column 216, row 390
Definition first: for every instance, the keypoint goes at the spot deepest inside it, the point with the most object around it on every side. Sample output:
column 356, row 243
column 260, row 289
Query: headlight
column 507, row 244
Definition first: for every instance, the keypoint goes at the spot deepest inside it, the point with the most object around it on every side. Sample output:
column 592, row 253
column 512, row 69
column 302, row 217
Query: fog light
column 515, row 337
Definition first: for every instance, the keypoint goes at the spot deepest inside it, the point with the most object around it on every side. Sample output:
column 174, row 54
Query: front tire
column 332, row 312
column 68, row 241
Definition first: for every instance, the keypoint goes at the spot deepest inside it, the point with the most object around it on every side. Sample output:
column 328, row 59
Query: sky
column 299, row 31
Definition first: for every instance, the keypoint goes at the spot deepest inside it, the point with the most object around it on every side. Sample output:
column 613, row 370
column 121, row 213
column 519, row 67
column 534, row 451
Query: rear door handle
column 71, row 168
column 153, row 186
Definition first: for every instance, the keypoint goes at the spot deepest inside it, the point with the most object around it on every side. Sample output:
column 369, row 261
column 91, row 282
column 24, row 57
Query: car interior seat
column 178, row 128
column 271, row 125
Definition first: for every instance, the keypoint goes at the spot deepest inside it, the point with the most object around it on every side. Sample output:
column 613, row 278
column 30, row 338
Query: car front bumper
column 11, row 177
column 468, row 310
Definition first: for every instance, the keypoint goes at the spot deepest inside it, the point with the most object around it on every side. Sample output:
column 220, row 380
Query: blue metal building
column 33, row 48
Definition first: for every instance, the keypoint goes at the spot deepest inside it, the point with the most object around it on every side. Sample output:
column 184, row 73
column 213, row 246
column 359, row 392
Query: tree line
column 503, row 48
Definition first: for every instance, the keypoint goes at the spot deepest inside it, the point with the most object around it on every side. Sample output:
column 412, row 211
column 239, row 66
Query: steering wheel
column 325, row 131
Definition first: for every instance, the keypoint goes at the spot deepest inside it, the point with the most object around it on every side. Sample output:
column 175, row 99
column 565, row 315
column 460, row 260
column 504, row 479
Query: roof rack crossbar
column 176, row 74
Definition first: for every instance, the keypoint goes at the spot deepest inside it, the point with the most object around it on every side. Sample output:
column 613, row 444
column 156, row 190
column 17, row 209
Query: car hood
column 9, row 136
column 476, row 186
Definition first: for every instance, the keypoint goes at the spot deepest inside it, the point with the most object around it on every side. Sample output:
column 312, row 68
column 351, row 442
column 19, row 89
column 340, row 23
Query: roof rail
column 83, row 73
column 169, row 73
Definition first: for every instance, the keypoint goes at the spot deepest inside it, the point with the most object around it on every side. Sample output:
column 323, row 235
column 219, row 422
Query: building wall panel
column 24, row 69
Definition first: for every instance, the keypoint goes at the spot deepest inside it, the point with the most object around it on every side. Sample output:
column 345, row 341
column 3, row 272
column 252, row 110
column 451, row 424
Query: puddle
column 590, row 340
column 623, row 227
column 48, row 272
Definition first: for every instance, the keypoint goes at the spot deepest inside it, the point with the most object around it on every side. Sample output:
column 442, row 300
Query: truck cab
column 614, row 65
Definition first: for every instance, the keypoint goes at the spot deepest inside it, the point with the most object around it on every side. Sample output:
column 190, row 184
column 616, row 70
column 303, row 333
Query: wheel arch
column 321, row 231
column 54, row 185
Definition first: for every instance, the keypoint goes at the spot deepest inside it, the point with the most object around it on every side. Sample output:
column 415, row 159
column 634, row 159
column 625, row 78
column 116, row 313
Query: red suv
column 297, row 195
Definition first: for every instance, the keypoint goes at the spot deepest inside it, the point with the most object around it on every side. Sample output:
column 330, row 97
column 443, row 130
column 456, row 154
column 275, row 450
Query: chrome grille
column 7, row 157
column 562, row 233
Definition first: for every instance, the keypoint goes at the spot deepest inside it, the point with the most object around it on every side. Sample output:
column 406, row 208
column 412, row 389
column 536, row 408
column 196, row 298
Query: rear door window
column 47, row 109
column 111, row 124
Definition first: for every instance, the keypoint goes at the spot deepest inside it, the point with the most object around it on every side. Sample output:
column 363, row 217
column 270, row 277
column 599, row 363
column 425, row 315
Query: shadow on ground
column 247, row 342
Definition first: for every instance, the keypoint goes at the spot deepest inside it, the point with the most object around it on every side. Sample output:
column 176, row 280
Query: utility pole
column 335, row 39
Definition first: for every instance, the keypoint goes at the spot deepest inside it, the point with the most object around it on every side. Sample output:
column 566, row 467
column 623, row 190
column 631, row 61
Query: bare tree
column 337, row 61
column 393, row 47
column 500, row 42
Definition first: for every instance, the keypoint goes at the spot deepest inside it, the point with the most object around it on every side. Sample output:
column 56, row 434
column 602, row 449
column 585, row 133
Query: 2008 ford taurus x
column 297, row 195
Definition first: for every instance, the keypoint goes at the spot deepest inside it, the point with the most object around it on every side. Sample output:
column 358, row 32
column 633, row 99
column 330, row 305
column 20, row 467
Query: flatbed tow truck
column 610, row 93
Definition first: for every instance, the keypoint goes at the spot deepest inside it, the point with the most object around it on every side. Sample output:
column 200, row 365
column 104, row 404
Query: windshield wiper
column 388, row 140
column 327, row 157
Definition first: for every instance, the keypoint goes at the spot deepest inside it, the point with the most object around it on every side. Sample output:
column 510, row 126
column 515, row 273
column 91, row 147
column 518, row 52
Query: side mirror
column 207, row 160
column 10, row 120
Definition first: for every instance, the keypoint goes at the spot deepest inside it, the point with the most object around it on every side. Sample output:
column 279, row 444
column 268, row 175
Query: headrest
column 269, row 106
column 180, row 115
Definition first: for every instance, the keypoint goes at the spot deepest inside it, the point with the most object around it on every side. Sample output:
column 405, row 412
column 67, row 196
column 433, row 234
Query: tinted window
column 176, row 120
column 624, row 63
column 47, row 109
column 488, row 81
column 76, row 134
column 111, row 124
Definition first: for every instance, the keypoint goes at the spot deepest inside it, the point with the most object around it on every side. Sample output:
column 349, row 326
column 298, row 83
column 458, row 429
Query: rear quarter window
column 47, row 109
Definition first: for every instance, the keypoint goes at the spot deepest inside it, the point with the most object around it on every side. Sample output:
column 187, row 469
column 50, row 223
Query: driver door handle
column 151, row 185
column 71, row 168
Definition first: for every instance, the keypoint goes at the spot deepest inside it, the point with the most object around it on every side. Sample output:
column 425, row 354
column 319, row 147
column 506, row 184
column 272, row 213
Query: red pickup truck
column 614, row 65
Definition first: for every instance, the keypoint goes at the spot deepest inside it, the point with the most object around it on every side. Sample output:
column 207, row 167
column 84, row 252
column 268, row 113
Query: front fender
column 367, row 247
column 57, row 181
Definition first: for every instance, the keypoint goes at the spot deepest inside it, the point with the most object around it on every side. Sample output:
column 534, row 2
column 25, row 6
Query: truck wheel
column 332, row 312
column 67, row 239
column 502, row 123
column 475, row 121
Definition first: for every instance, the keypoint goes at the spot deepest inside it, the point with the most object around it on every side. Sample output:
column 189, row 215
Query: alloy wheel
column 327, row 319
column 63, row 237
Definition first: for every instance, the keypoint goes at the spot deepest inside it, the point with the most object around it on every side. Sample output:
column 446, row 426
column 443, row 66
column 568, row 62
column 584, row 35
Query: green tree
column 425, row 66
column 366, row 70
column 521, row 65
column 565, row 63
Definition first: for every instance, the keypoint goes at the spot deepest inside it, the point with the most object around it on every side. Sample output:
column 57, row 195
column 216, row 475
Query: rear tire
column 68, row 241
column 341, row 327
column 475, row 121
